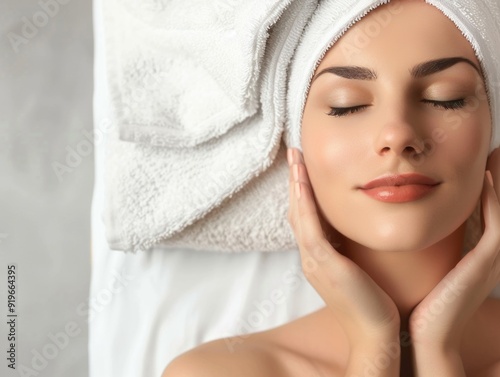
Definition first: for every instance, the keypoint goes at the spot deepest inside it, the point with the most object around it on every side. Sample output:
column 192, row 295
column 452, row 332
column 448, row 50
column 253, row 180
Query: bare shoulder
column 290, row 350
column 252, row 358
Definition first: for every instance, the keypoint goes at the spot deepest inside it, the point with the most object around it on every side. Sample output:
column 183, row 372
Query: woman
column 395, row 141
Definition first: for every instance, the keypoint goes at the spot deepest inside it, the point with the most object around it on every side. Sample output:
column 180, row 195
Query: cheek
column 330, row 148
column 331, row 155
column 471, row 163
column 329, row 152
column 460, row 159
column 466, row 147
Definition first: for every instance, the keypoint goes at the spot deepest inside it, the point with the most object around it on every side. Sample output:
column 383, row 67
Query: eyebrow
column 350, row 72
column 419, row 71
column 433, row 66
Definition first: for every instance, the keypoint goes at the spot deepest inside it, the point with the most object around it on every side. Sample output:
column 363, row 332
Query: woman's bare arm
column 377, row 358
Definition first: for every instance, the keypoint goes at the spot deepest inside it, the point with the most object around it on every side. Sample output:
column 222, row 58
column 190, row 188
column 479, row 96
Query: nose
column 398, row 136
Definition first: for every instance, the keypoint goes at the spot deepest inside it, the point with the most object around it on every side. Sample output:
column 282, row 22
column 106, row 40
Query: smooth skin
column 400, row 298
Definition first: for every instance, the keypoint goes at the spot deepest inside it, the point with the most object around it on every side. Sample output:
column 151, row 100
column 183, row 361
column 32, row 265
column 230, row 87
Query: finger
column 292, row 155
column 490, row 241
column 291, row 196
column 493, row 166
column 312, row 237
column 295, row 174
column 308, row 253
column 308, row 229
column 293, row 158
column 293, row 216
column 306, row 207
column 467, row 285
column 289, row 156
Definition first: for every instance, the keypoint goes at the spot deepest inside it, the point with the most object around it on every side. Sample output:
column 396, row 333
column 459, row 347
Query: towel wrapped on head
column 206, row 98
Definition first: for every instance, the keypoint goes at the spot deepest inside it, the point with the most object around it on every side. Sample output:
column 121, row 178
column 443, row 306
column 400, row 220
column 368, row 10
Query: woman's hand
column 363, row 309
column 439, row 320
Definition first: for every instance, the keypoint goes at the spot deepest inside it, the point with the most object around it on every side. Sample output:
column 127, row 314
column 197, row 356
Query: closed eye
column 341, row 111
column 447, row 105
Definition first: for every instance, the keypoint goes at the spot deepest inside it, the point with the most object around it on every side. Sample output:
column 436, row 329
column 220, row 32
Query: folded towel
column 186, row 72
column 201, row 95
column 201, row 91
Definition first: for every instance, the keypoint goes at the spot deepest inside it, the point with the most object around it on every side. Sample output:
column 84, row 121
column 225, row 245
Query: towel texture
column 186, row 72
column 207, row 96
column 205, row 107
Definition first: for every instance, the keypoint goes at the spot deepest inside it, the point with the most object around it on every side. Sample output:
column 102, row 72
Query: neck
column 407, row 277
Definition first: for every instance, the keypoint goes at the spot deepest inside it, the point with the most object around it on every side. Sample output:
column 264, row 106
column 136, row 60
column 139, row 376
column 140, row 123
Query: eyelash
column 342, row 111
column 447, row 105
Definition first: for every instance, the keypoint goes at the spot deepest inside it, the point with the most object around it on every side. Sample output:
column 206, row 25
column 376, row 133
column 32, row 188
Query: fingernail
column 289, row 156
column 296, row 172
column 297, row 190
column 490, row 178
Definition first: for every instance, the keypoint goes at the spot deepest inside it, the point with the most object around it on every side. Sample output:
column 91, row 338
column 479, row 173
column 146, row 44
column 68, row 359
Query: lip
column 400, row 188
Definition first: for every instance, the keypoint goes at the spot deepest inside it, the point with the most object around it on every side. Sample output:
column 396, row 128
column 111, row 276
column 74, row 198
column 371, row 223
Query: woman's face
column 382, row 109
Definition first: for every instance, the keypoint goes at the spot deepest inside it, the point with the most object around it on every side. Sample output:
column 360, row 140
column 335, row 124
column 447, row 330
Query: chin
column 397, row 240
column 401, row 233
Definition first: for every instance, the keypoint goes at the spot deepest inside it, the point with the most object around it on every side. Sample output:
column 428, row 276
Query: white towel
column 186, row 72
column 201, row 92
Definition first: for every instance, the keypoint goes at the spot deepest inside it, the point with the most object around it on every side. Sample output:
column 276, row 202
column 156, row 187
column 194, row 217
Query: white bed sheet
column 149, row 307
